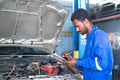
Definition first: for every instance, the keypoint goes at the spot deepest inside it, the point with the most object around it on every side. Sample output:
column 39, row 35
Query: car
column 29, row 30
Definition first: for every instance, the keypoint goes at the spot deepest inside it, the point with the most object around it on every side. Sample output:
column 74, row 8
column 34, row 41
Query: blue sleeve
column 100, row 50
column 86, row 63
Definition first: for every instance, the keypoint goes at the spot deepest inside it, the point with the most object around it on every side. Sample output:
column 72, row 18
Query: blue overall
column 97, row 62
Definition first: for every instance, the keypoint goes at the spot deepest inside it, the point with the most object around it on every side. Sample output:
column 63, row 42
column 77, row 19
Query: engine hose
column 10, row 72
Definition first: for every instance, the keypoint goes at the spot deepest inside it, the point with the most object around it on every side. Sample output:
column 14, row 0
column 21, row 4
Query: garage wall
column 65, row 38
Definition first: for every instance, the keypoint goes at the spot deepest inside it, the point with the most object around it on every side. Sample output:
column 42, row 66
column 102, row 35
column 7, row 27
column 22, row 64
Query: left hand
column 67, row 56
column 71, row 63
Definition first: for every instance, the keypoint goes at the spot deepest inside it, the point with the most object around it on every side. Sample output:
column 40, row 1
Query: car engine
column 32, row 67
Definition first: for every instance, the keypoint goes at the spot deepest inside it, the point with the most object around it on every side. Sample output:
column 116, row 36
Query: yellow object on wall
column 66, row 32
column 76, row 54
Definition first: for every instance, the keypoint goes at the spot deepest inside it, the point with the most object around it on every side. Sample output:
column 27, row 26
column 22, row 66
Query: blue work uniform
column 97, row 62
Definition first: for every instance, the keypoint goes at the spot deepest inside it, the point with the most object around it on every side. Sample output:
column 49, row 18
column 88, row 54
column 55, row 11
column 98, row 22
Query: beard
column 84, row 31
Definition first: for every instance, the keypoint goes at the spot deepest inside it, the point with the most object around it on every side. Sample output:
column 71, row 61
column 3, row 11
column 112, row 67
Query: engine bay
column 26, row 66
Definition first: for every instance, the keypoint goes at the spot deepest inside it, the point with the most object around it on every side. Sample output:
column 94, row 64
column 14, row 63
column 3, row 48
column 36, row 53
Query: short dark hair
column 80, row 15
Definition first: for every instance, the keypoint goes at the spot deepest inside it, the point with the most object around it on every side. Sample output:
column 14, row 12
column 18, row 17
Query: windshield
column 18, row 50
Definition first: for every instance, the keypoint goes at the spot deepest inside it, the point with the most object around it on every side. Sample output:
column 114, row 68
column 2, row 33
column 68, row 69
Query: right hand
column 67, row 56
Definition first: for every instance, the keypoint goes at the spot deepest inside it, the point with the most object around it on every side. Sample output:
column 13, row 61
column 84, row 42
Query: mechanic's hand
column 70, row 63
column 67, row 56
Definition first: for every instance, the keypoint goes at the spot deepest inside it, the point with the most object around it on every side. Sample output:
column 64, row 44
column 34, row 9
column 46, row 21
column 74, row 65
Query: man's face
column 80, row 26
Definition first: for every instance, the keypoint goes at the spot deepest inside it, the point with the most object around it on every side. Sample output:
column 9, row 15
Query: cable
column 10, row 72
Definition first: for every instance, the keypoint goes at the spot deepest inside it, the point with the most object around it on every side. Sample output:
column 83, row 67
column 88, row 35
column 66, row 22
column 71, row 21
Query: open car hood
column 31, row 22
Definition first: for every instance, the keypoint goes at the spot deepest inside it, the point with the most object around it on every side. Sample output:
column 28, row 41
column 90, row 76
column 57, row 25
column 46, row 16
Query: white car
column 28, row 33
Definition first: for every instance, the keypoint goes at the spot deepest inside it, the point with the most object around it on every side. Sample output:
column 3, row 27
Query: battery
column 50, row 69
